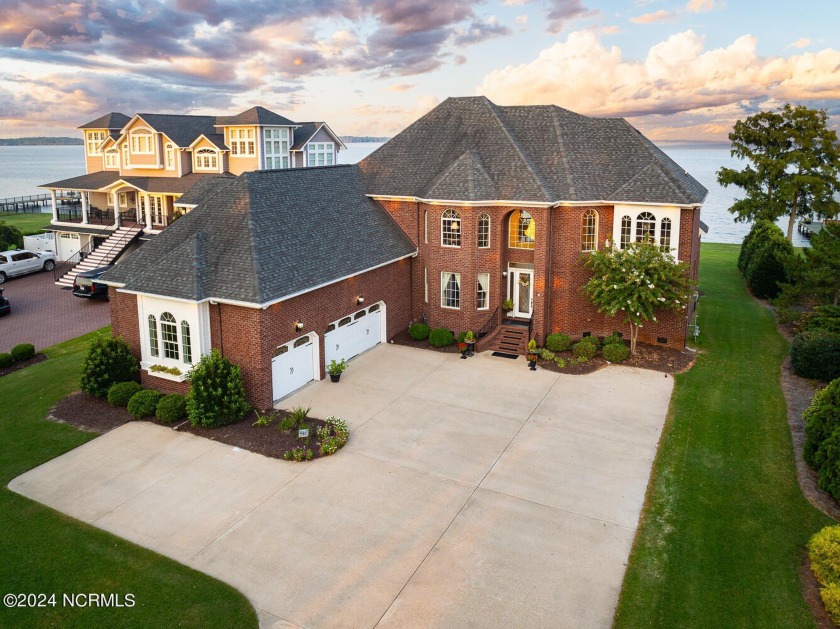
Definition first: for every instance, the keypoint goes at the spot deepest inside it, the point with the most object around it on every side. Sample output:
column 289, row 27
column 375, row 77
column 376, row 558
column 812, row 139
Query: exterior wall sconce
column 360, row 300
column 504, row 273
column 298, row 325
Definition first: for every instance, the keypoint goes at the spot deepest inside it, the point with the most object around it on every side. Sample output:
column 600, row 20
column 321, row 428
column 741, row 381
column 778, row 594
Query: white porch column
column 148, row 206
column 85, row 208
column 116, row 201
column 54, row 205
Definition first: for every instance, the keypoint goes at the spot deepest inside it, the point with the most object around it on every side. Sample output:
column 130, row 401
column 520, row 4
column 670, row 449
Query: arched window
column 426, row 226
column 142, row 141
column 450, row 229
column 153, row 336
column 522, row 230
column 665, row 234
column 206, row 159
column 186, row 342
column 626, row 230
column 170, row 156
column 589, row 231
column 645, row 227
column 483, row 231
column 169, row 336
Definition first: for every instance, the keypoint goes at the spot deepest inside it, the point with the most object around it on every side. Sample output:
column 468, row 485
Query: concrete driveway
column 471, row 494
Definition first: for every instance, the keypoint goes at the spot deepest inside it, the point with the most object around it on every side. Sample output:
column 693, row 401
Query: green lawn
column 27, row 223
column 44, row 551
column 725, row 525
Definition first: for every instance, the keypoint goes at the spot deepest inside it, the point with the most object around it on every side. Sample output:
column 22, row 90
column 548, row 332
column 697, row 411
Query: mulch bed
column 91, row 414
column 37, row 358
column 811, row 592
column 653, row 357
column 402, row 338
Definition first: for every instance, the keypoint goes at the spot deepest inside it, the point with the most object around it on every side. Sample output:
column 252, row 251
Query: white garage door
column 353, row 334
column 292, row 366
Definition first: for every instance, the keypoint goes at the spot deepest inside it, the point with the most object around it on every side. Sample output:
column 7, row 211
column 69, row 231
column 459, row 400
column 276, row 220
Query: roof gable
column 254, row 116
column 111, row 121
column 465, row 178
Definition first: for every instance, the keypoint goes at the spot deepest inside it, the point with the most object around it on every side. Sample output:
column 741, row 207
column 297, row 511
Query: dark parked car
column 5, row 307
column 85, row 284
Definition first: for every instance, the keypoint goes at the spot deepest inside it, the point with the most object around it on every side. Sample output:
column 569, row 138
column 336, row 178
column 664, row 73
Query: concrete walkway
column 471, row 493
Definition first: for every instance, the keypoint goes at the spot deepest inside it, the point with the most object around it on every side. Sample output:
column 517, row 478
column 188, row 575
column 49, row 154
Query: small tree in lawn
column 636, row 283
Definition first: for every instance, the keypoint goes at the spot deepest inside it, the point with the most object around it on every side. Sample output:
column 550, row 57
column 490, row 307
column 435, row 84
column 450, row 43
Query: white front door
column 363, row 331
column 292, row 366
column 522, row 292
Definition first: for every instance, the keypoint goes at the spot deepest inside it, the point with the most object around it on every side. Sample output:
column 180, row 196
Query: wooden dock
column 34, row 202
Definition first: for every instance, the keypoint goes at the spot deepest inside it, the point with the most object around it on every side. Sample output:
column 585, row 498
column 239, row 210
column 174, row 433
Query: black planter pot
column 532, row 362
column 335, row 377
column 470, row 349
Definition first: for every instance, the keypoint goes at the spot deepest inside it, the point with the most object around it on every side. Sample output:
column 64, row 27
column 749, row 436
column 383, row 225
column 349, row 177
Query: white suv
column 21, row 261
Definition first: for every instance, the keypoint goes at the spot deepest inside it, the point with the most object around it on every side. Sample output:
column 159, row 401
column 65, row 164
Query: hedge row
column 19, row 353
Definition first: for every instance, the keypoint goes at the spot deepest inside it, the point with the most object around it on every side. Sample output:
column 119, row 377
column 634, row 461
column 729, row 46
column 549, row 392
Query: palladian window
column 169, row 336
column 645, row 227
column 522, row 230
column 450, row 229
column 206, row 159
column 589, row 231
column 142, row 141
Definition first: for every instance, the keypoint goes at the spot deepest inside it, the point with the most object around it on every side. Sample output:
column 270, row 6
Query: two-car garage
column 297, row 362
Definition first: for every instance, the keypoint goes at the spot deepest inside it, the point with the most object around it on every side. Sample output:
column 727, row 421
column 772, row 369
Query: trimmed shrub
column 171, row 408
column 441, row 337
column 24, row 351
column 816, row 355
column 613, row 339
column 546, row 354
column 821, row 419
column 769, row 266
column 592, row 339
column 6, row 360
column 558, row 342
column 143, row 403
column 217, row 394
column 584, row 349
column 830, row 596
column 759, row 234
column 616, row 352
column 822, row 318
column 418, row 331
column 107, row 362
column 119, row 394
column 824, row 549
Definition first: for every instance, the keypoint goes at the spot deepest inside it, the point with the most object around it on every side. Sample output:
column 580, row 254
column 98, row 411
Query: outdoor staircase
column 103, row 255
column 509, row 339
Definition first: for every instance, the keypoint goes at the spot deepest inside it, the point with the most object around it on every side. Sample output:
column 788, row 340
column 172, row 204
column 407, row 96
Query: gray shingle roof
column 181, row 129
column 103, row 178
column 535, row 153
column 268, row 235
column 114, row 120
column 91, row 181
column 204, row 189
column 304, row 133
column 255, row 115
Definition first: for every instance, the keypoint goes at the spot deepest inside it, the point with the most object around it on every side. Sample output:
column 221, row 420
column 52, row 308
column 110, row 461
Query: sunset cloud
column 802, row 42
column 700, row 6
column 655, row 16
column 678, row 75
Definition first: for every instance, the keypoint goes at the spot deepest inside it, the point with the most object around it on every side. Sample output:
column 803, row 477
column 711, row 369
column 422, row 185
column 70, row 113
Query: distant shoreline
column 41, row 141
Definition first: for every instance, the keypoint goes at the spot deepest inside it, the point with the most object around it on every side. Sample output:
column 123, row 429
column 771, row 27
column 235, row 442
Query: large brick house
column 471, row 205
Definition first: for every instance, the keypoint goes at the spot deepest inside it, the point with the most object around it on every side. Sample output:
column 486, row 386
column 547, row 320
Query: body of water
column 23, row 168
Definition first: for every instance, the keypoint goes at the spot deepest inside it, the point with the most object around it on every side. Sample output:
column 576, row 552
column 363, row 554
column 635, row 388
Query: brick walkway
column 43, row 314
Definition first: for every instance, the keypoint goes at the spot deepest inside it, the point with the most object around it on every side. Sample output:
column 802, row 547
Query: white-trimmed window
column 174, row 346
column 482, row 291
column 276, row 148
column 484, row 231
column 169, row 151
column 320, row 153
column 450, row 290
column 450, row 229
column 626, row 231
column 426, row 284
column 426, row 226
column 589, row 231
column 112, row 158
column 665, row 234
column 242, row 142
column 522, row 230
column 154, row 351
column 645, row 227
column 93, row 139
column 206, row 159
column 142, row 141
column 126, row 163
column 169, row 336
column 186, row 342
column 156, row 209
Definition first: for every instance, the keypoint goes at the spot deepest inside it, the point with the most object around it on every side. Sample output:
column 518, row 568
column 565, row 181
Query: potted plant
column 532, row 354
column 462, row 347
column 335, row 369
column 507, row 306
column 469, row 339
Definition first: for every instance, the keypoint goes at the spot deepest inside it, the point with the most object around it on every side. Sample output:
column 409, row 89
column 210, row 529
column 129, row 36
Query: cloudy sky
column 677, row 69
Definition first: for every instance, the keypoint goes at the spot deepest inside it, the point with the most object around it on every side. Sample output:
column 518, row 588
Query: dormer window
column 112, row 158
column 93, row 139
column 142, row 141
column 242, row 142
column 206, row 159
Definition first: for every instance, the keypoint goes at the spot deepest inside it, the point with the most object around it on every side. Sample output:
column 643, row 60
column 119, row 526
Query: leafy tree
column 636, row 282
column 10, row 237
column 793, row 166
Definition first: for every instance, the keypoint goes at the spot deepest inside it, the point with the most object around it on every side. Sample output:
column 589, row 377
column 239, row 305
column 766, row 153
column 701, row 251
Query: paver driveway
column 471, row 493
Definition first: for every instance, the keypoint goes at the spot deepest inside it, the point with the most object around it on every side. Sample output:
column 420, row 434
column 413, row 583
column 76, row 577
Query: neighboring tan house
column 471, row 205
column 138, row 168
